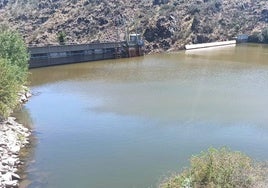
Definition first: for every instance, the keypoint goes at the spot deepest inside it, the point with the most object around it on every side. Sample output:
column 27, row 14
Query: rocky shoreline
column 13, row 137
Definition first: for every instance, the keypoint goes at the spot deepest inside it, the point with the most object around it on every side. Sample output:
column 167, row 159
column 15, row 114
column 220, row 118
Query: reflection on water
column 129, row 122
column 23, row 116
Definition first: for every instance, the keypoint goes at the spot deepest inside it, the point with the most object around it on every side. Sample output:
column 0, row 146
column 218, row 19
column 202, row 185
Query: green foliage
column 265, row 35
column 259, row 37
column 13, row 69
column 9, row 87
column 13, row 48
column 195, row 23
column 61, row 37
column 217, row 168
column 254, row 37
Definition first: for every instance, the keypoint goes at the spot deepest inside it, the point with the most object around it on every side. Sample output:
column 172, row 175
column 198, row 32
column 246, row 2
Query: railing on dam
column 74, row 47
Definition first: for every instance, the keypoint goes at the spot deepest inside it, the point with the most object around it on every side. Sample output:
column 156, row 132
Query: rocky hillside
column 165, row 24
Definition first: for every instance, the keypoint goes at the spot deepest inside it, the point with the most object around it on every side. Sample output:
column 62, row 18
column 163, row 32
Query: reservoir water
column 128, row 123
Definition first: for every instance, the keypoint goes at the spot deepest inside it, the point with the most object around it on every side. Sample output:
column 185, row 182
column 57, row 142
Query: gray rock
column 11, row 183
column 7, row 176
column 13, row 136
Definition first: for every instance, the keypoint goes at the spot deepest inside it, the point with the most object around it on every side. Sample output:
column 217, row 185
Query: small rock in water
column 28, row 94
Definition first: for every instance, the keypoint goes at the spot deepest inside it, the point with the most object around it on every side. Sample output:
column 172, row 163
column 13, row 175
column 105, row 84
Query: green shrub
column 259, row 37
column 61, row 37
column 265, row 35
column 13, row 69
column 218, row 168
column 9, row 88
column 255, row 37
column 195, row 23
column 13, row 48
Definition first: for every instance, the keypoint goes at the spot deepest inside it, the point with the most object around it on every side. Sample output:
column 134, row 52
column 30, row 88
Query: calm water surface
column 128, row 123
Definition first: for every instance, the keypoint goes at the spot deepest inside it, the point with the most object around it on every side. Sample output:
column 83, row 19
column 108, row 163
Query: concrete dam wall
column 75, row 53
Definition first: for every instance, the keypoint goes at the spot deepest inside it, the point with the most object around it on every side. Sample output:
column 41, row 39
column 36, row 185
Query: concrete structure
column 66, row 54
column 209, row 45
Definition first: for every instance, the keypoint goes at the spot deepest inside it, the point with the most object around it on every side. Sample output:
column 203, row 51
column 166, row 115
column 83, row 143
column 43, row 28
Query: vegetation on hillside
column 13, row 69
column 259, row 36
column 61, row 37
column 165, row 24
column 220, row 168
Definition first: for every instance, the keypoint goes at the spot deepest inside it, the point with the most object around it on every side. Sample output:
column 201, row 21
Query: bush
column 13, row 69
column 265, row 35
column 259, row 37
column 218, row 168
column 255, row 37
column 195, row 23
column 13, row 48
column 61, row 37
column 9, row 88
